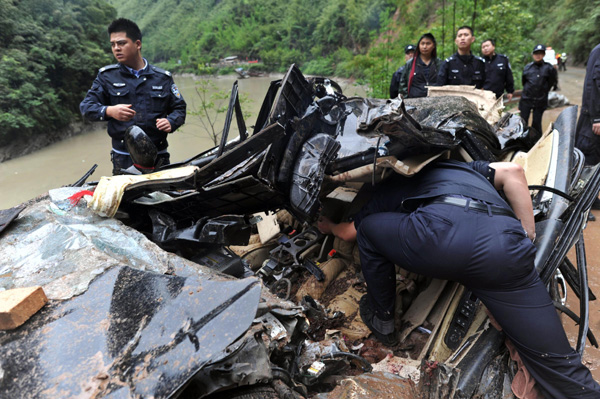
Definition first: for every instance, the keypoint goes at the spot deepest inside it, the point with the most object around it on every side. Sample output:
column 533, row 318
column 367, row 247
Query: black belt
column 472, row 204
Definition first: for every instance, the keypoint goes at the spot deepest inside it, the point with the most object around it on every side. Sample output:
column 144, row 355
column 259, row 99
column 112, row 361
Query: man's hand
column 163, row 124
column 596, row 129
column 345, row 230
column 324, row 225
column 508, row 96
column 120, row 112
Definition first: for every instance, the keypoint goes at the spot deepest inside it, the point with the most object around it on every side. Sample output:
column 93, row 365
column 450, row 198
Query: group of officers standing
column 490, row 72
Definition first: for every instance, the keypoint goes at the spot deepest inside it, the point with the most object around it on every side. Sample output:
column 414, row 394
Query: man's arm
column 510, row 178
column 345, row 230
column 176, row 111
column 94, row 105
column 594, row 106
column 442, row 77
column 394, row 84
column 510, row 81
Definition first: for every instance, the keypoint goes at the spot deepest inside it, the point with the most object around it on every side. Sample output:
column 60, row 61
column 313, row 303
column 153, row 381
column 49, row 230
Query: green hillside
column 358, row 38
column 50, row 50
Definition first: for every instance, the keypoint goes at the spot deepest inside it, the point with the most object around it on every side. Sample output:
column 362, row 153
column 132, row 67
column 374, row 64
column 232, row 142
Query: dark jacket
column 498, row 75
column 590, row 102
column 405, row 194
column 153, row 95
column 420, row 77
column 537, row 80
column 462, row 70
column 396, row 81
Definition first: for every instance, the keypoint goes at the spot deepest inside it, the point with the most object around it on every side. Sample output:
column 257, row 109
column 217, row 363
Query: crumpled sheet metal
column 383, row 165
column 110, row 189
column 133, row 334
column 63, row 250
column 375, row 385
column 488, row 106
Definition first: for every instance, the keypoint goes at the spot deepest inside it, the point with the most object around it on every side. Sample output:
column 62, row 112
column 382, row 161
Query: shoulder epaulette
column 160, row 70
column 449, row 59
column 107, row 67
column 479, row 58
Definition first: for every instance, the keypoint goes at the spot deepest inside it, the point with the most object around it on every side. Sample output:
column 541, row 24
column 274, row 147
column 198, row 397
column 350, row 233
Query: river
column 65, row 162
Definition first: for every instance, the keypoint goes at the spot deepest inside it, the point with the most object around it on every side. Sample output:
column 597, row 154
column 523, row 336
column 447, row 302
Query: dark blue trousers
column 526, row 107
column 491, row 256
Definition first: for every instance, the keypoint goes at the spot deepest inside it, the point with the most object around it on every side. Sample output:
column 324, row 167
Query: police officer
column 538, row 78
column 588, row 125
column 422, row 70
column 409, row 52
column 462, row 68
column 449, row 222
column 498, row 73
column 133, row 92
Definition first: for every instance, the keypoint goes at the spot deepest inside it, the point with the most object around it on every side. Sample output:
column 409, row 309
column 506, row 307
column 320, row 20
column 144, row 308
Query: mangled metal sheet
column 131, row 334
column 488, row 106
column 63, row 248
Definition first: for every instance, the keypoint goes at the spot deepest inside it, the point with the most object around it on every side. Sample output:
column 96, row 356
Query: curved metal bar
column 552, row 190
column 584, row 309
column 575, row 318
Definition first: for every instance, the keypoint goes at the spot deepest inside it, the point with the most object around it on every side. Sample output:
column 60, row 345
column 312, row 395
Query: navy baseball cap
column 539, row 47
column 409, row 48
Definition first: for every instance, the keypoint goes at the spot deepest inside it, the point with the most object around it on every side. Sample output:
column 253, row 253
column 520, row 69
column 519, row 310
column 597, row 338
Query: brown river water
column 65, row 162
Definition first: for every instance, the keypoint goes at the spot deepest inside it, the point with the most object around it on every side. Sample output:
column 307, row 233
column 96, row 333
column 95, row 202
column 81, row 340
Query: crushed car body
column 208, row 277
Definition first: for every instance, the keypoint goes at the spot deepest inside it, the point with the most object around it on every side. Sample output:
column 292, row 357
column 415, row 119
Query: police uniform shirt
column 404, row 194
column 462, row 70
column 152, row 94
column 590, row 102
column 538, row 79
column 498, row 75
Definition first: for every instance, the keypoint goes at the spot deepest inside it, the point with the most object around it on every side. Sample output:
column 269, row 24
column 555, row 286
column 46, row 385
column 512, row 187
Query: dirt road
column 571, row 85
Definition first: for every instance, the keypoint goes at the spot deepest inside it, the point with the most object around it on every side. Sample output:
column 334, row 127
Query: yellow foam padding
column 536, row 161
column 110, row 189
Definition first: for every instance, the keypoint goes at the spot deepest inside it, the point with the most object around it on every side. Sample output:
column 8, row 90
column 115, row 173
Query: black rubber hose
column 575, row 318
column 367, row 366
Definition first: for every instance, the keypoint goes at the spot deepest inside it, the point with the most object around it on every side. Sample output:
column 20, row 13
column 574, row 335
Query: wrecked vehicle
column 210, row 279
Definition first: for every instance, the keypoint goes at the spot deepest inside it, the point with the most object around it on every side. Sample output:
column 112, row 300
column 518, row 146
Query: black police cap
column 539, row 47
column 408, row 48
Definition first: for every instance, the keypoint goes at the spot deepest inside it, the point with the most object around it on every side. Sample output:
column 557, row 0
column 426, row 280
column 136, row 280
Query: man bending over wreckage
column 449, row 222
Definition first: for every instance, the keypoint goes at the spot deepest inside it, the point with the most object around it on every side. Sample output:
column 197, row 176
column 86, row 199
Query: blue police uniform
column 498, row 75
column 449, row 222
column 586, row 140
column 396, row 81
column 153, row 95
column 462, row 70
column 538, row 79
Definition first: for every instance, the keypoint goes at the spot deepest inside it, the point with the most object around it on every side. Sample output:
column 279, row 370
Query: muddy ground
column 571, row 85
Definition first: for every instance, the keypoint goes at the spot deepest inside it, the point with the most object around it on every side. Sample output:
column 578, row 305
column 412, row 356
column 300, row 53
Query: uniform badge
column 175, row 90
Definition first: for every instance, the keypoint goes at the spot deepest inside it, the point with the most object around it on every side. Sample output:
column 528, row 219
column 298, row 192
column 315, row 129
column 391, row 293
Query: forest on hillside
column 50, row 50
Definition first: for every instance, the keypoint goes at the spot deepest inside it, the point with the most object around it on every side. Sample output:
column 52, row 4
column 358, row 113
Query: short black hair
column 125, row 25
column 491, row 41
column 465, row 27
